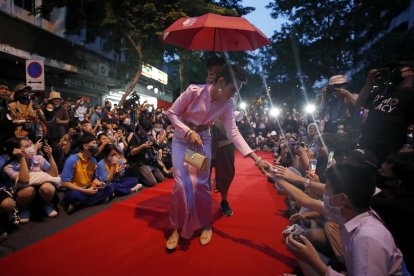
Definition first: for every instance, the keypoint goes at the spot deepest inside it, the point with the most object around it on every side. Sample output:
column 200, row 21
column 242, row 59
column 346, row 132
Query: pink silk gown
column 191, row 199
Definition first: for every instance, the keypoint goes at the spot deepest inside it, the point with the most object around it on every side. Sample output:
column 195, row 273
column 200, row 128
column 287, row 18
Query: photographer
column 22, row 112
column 142, row 156
column 337, row 105
column 390, row 109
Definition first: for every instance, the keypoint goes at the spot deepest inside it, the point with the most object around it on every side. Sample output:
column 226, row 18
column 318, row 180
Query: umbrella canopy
column 212, row 32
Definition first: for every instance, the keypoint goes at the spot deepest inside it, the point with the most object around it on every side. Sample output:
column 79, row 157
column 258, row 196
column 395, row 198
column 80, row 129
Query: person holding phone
column 25, row 160
column 83, row 188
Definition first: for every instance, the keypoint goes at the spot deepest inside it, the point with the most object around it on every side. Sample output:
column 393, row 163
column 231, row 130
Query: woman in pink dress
column 192, row 114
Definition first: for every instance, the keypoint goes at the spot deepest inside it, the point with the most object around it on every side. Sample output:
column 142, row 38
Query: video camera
column 132, row 101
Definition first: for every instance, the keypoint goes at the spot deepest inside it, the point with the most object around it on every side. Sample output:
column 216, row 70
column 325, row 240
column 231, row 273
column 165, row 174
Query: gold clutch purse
column 196, row 159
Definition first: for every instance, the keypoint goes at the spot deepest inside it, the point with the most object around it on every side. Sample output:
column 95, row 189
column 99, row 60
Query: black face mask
column 93, row 150
column 387, row 181
column 48, row 114
column 396, row 77
column 24, row 99
column 108, row 107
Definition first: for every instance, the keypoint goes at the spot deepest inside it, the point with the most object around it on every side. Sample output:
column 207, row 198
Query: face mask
column 57, row 105
column 50, row 109
column 335, row 211
column 387, row 182
column 99, row 111
column 93, row 149
column 30, row 152
column 108, row 107
column 24, row 99
column 396, row 77
column 113, row 159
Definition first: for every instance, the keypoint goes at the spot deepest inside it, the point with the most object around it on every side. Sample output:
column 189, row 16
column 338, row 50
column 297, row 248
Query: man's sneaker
column 50, row 211
column 3, row 236
column 225, row 208
column 24, row 216
column 14, row 216
column 70, row 209
column 136, row 187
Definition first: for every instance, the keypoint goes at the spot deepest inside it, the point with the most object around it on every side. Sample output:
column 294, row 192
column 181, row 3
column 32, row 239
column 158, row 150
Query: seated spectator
column 7, row 205
column 111, row 170
column 368, row 246
column 311, row 137
column 25, row 161
column 143, row 160
column 83, row 188
column 271, row 141
column 395, row 203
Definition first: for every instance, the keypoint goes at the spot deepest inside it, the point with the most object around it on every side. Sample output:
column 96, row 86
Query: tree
column 324, row 37
column 128, row 25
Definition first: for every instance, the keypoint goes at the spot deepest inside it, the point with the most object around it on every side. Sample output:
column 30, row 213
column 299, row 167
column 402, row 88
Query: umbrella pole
column 214, row 40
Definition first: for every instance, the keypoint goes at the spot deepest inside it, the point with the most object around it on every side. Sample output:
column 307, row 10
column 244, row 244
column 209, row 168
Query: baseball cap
column 337, row 79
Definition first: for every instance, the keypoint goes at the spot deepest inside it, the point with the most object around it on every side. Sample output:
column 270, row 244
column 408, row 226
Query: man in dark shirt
column 142, row 156
column 390, row 111
column 109, row 116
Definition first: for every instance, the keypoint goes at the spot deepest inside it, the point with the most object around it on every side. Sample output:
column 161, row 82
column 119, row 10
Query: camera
column 383, row 73
column 156, row 146
column 295, row 145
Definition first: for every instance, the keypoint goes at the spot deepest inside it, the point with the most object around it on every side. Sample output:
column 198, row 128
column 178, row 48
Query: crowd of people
column 346, row 169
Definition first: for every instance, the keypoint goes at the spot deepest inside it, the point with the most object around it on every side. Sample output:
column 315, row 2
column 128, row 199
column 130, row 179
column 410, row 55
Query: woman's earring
column 220, row 91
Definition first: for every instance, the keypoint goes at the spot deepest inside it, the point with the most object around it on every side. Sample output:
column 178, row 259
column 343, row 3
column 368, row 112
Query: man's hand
column 373, row 75
column 48, row 150
column 286, row 174
column 303, row 249
column 146, row 145
column 38, row 145
column 90, row 191
column 18, row 153
column 340, row 92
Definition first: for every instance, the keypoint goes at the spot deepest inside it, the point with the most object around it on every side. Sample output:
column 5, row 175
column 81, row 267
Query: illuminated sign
column 153, row 73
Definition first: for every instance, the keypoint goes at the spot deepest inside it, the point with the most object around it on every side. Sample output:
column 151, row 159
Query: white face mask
column 30, row 152
column 335, row 211
column 50, row 109
column 113, row 159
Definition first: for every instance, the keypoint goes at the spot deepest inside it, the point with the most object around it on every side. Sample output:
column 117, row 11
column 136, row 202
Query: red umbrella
column 212, row 32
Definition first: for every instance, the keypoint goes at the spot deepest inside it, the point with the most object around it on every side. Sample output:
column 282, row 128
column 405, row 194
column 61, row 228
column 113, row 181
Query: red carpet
column 129, row 238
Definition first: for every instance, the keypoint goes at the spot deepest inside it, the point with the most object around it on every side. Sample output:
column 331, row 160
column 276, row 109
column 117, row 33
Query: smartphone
column 312, row 165
column 330, row 159
column 45, row 141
